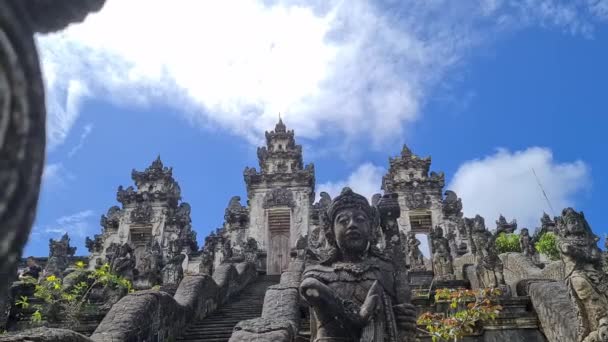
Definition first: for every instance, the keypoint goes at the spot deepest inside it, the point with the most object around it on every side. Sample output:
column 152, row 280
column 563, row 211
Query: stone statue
column 526, row 243
column 414, row 253
column 33, row 269
column 173, row 271
column 502, row 226
column 149, row 265
column 60, row 252
column 352, row 292
column 206, row 266
column 442, row 256
column 587, row 283
column 489, row 267
column 227, row 250
column 123, row 261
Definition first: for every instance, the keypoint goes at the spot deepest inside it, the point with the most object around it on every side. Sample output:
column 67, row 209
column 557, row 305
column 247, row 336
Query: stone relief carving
column 279, row 197
column 142, row 213
column 586, row 281
column 418, row 200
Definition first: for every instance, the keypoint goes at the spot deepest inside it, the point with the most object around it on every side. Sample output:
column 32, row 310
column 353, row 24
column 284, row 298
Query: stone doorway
column 278, row 248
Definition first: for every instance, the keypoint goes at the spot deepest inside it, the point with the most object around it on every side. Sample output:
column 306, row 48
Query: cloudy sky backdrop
column 491, row 89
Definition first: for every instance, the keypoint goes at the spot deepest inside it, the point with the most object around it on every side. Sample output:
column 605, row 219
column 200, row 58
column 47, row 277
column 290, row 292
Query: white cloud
column 52, row 173
column 365, row 180
column 503, row 183
column 85, row 133
column 338, row 68
column 77, row 224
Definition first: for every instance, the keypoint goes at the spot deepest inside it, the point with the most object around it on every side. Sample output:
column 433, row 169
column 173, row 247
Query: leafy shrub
column 466, row 308
column 68, row 301
column 547, row 246
column 506, row 243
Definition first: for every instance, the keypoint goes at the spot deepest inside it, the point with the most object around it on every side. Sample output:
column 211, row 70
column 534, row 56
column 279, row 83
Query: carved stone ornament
column 142, row 213
column 279, row 197
column 111, row 220
column 236, row 215
column 418, row 200
column 452, row 205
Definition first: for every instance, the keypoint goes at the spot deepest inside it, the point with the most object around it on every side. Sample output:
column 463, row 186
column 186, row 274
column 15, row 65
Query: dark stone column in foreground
column 23, row 115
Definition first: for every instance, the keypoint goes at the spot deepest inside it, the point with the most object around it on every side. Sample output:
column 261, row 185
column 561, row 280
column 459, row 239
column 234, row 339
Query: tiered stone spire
column 409, row 176
column 280, row 160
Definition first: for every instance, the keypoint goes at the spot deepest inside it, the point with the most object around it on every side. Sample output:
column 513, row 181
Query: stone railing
column 556, row 312
column 280, row 318
column 516, row 267
column 154, row 315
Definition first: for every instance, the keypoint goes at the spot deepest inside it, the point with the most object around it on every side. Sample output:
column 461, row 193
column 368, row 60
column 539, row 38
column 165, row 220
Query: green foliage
column 547, row 246
column 466, row 308
column 36, row 317
column 506, row 243
column 23, row 302
column 69, row 301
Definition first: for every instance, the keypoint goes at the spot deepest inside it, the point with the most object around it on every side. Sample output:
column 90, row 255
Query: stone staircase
column 246, row 305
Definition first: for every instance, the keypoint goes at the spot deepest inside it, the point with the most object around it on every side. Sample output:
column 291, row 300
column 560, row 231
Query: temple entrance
column 278, row 248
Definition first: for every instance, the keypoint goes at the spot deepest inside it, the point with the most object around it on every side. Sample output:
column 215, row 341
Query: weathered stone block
column 263, row 330
column 555, row 310
column 45, row 335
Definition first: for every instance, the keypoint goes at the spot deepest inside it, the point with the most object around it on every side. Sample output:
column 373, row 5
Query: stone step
column 218, row 327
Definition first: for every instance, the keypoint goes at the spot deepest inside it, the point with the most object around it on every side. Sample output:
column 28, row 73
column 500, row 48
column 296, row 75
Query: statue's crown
column 568, row 215
column 349, row 199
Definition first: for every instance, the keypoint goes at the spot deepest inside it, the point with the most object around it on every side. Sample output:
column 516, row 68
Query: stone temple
column 287, row 267
column 404, row 266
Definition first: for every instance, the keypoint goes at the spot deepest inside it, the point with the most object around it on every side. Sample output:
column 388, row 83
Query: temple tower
column 280, row 197
column 151, row 218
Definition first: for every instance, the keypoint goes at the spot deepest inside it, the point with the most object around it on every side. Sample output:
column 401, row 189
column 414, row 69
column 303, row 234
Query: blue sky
column 489, row 89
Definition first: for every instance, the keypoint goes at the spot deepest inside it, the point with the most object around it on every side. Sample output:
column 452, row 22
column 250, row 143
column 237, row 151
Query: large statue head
column 575, row 237
column 351, row 223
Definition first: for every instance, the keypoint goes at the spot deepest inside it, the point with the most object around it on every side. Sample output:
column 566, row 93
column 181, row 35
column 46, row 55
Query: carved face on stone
column 352, row 229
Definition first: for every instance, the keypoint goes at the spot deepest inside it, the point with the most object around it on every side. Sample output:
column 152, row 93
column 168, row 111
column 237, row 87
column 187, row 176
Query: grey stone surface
column 151, row 315
column 45, row 335
column 263, row 330
column 554, row 309
column 513, row 335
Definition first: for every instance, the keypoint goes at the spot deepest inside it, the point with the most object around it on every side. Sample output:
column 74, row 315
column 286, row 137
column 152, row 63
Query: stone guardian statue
column 352, row 292
column 586, row 281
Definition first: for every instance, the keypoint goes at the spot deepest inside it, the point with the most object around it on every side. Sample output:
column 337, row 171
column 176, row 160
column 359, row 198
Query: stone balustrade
column 154, row 315
column 280, row 318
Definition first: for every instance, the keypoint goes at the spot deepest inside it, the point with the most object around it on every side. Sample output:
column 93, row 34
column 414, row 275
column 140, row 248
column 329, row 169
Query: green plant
column 506, row 243
column 69, row 301
column 22, row 302
column 466, row 308
column 547, row 246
